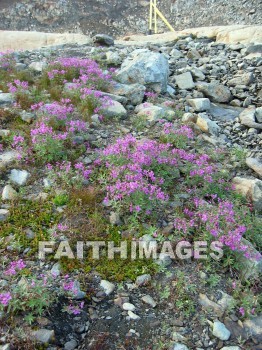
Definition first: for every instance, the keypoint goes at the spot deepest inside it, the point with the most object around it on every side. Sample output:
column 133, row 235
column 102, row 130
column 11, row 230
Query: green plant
column 31, row 297
column 140, row 122
column 61, row 199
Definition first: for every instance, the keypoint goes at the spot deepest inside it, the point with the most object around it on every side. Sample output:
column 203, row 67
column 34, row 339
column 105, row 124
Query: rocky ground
column 213, row 88
column 123, row 17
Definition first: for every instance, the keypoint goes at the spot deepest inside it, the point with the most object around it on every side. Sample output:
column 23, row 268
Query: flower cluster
column 218, row 220
column 14, row 267
column 18, row 85
column 5, row 298
column 67, row 174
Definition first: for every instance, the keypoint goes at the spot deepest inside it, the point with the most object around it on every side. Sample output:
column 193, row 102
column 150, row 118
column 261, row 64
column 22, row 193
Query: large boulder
column 147, row 68
column 207, row 125
column 250, row 188
column 133, row 92
column 215, row 91
column 115, row 109
column 103, row 39
column 255, row 164
column 247, row 118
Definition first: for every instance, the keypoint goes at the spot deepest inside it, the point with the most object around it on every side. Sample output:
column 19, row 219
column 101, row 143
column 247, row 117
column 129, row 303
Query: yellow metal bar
column 162, row 17
column 155, row 17
column 150, row 15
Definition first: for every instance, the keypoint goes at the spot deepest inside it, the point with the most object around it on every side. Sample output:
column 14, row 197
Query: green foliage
column 61, row 199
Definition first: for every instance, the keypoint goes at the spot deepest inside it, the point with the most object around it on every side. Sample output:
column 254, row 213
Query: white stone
column 184, row 81
column 255, row 164
column 115, row 109
column 9, row 193
column 220, row 331
column 128, row 307
column 8, row 157
column 6, row 98
column 133, row 316
column 143, row 280
column 147, row 299
column 178, row 346
column 107, row 286
column 19, row 177
column 199, row 104
column 44, row 335
column 4, row 213
column 38, row 66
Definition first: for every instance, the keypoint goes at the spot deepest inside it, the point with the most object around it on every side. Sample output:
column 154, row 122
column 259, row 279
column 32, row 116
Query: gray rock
column 207, row 125
column 258, row 114
column 250, row 188
column 114, row 218
column 115, row 109
column 19, row 177
column 128, row 307
column 200, row 104
column 231, row 348
column 147, row 299
column 113, row 58
column 184, row 81
column 146, row 68
column 154, row 113
column 193, row 55
column 4, row 213
column 133, row 92
column 9, row 193
column 215, row 91
column 4, row 133
column 107, row 286
column 27, row 116
column 6, row 99
column 56, row 269
column 189, row 118
column 250, row 267
column 103, row 39
column 8, row 157
column 143, row 280
column 208, row 304
column 79, row 295
column 247, row 118
column 133, row 316
column 70, row 345
column 224, row 112
column 243, row 79
column 38, row 66
column 220, row 331
column 179, row 346
column 5, row 347
column 254, row 49
column 164, row 260
column 255, row 164
column 254, row 327
column 176, row 54
column 43, row 335
column 197, row 73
